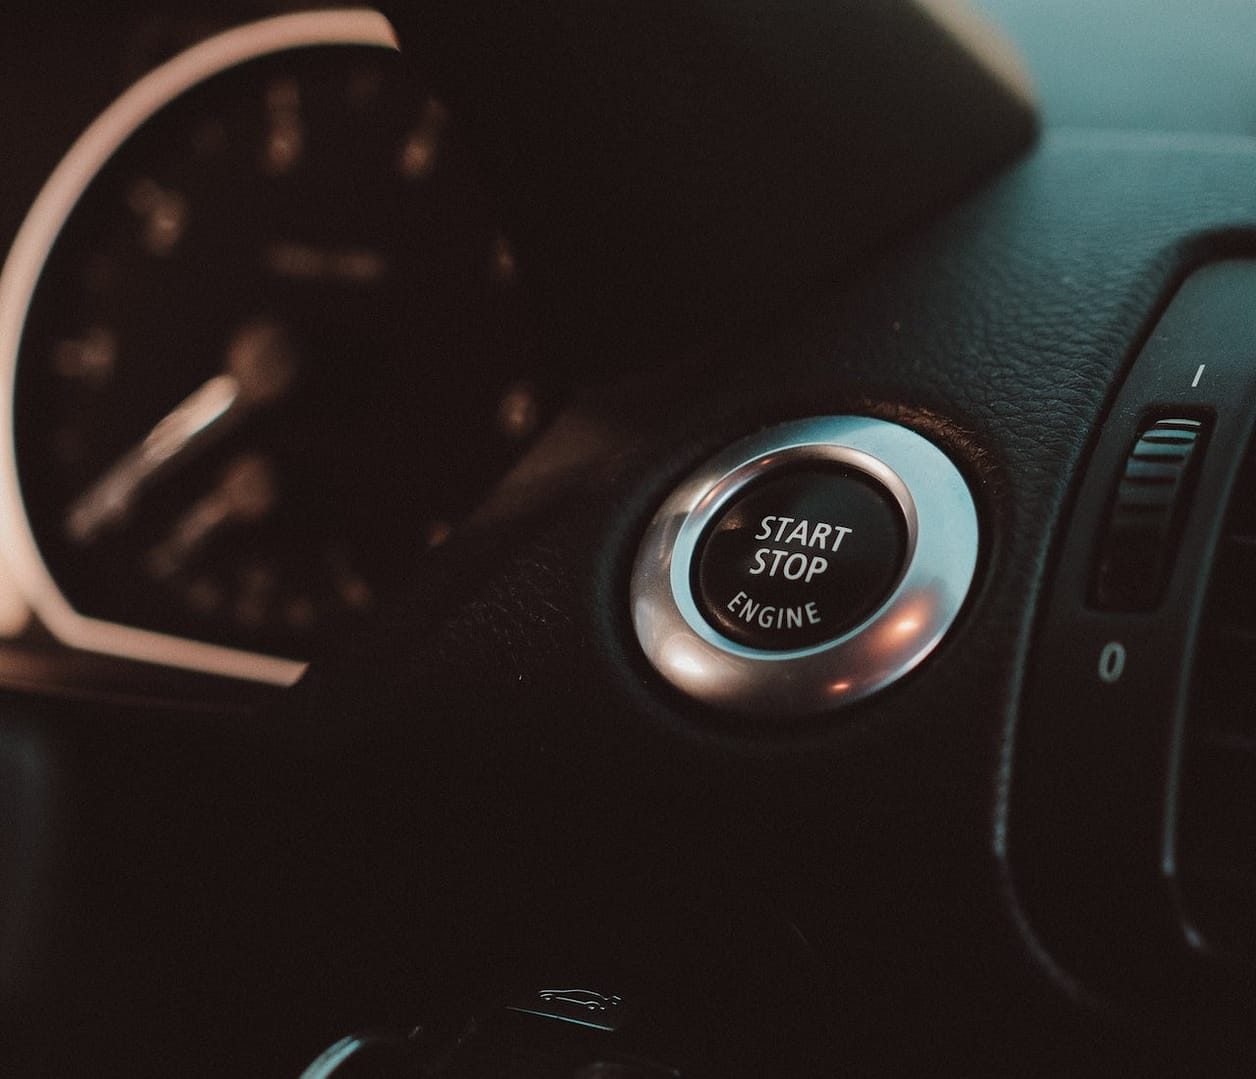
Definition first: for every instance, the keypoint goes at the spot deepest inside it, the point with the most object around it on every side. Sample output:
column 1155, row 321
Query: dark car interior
column 628, row 540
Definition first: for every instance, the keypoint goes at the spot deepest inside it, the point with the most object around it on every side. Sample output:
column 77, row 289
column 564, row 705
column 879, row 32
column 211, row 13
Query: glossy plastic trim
column 941, row 559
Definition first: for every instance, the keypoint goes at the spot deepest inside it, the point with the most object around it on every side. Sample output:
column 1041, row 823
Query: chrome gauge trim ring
column 27, row 587
column 939, row 565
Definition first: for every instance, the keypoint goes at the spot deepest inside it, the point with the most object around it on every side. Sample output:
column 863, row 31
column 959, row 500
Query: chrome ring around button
column 939, row 564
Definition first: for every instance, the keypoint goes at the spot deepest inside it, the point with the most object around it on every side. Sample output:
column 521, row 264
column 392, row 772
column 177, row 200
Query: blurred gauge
column 272, row 349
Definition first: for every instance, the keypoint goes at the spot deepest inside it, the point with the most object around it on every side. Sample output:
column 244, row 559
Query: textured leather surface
column 998, row 333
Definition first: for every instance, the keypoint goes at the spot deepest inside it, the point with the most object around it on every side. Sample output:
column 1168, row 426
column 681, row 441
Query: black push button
column 1138, row 549
column 800, row 559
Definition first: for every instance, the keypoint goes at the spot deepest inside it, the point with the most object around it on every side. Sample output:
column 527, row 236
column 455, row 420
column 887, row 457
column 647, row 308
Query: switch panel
column 1140, row 543
column 1089, row 819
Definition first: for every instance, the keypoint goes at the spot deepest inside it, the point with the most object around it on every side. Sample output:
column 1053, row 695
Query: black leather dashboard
column 496, row 760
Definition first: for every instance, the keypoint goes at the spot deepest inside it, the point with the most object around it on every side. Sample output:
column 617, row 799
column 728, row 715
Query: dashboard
column 626, row 541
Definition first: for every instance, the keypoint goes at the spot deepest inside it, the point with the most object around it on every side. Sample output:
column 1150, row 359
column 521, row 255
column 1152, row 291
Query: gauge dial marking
column 353, row 265
column 501, row 266
column 246, row 493
column 285, row 137
column 518, row 411
column 163, row 215
column 418, row 152
column 260, row 367
column 437, row 533
column 354, row 592
column 88, row 359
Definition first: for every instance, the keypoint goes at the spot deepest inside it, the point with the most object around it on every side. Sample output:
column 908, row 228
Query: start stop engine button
column 805, row 566
column 800, row 559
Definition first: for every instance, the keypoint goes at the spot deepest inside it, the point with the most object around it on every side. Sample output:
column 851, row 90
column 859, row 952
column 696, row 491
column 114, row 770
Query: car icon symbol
column 581, row 998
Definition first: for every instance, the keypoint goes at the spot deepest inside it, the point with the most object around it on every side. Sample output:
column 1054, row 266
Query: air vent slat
column 1216, row 841
column 1232, row 598
column 1242, row 512
column 1218, row 824
column 1223, row 914
column 1225, row 682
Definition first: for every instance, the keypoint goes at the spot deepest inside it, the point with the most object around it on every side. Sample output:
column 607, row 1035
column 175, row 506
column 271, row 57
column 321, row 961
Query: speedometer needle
column 260, row 366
